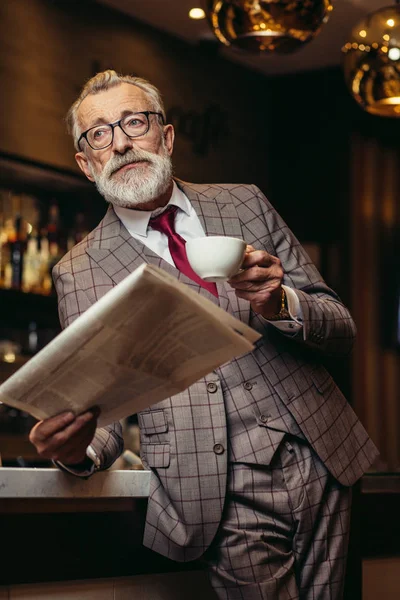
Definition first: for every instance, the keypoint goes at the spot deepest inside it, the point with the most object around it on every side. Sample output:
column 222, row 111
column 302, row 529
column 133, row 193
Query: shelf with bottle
column 33, row 238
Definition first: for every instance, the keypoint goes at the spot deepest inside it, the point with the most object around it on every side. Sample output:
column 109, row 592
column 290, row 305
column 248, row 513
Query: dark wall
column 286, row 134
column 48, row 49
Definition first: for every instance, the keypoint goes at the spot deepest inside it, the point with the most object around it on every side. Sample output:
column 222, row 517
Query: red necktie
column 165, row 223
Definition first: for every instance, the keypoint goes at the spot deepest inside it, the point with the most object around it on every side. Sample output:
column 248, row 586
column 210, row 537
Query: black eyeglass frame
column 118, row 124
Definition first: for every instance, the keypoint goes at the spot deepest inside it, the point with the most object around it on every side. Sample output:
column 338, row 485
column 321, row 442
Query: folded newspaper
column 148, row 338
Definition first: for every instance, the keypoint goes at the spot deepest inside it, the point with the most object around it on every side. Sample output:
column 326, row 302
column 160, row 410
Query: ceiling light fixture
column 272, row 26
column 372, row 62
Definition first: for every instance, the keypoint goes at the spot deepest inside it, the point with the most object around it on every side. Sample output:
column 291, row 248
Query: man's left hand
column 260, row 282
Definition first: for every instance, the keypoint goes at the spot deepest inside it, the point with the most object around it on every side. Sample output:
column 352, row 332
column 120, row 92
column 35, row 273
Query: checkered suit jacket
column 183, row 439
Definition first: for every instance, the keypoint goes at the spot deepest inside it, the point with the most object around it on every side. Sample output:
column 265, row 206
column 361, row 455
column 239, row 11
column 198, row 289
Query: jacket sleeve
column 327, row 324
column 72, row 302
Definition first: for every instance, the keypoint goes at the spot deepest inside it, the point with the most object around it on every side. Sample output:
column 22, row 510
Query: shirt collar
column 137, row 221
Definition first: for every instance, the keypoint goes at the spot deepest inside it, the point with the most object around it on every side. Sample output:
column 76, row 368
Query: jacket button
column 212, row 388
column 264, row 418
column 248, row 386
column 219, row 449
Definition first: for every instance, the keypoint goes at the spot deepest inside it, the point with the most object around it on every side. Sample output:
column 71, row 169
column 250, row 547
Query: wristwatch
column 283, row 314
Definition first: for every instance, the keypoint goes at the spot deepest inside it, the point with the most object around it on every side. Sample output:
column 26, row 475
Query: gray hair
column 101, row 83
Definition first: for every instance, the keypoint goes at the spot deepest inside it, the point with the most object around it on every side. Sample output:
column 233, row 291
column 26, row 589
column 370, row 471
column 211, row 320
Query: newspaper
column 148, row 338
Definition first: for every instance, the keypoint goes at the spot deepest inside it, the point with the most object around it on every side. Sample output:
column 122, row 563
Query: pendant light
column 372, row 62
column 271, row 26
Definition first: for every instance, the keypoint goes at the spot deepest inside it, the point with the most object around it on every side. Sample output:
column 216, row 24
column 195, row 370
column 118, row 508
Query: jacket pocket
column 155, row 455
column 153, row 421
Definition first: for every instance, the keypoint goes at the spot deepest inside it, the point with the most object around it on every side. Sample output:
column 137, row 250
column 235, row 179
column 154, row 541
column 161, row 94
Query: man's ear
column 169, row 138
column 83, row 164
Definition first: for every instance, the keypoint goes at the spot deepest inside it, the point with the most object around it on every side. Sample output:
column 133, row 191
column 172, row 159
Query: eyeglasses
column 134, row 125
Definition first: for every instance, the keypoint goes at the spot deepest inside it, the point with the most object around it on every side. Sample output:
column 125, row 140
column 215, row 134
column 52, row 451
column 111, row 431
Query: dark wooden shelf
column 18, row 309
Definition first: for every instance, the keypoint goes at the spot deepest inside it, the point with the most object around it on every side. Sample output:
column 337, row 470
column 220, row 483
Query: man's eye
column 134, row 122
column 99, row 133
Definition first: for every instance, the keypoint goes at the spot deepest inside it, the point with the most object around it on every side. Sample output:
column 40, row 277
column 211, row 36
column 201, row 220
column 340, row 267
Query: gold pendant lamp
column 372, row 62
column 279, row 26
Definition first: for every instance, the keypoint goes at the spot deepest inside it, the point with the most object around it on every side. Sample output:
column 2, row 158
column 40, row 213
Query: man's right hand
column 65, row 437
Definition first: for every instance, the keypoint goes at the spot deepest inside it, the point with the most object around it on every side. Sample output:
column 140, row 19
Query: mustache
column 132, row 156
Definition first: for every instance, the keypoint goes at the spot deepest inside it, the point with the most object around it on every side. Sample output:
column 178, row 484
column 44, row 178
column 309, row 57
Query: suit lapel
column 114, row 249
column 117, row 253
column 214, row 207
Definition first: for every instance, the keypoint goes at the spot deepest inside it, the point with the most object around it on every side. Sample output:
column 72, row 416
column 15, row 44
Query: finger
column 258, row 257
column 249, row 249
column 254, row 286
column 48, row 427
column 82, row 423
column 74, row 450
column 95, row 410
column 255, row 274
column 259, row 299
column 49, row 447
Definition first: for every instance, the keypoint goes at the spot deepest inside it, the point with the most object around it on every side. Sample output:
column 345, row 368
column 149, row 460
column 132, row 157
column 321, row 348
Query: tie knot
column 164, row 222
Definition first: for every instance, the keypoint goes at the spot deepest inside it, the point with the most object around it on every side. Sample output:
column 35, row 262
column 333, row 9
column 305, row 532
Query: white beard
column 139, row 185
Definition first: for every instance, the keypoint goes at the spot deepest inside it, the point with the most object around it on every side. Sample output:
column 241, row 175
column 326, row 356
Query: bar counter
column 57, row 530
column 31, row 483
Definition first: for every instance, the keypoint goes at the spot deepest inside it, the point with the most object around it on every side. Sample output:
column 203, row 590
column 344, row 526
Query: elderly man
column 252, row 466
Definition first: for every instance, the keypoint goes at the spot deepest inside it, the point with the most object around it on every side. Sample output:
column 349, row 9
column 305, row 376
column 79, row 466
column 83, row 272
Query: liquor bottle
column 32, row 338
column 32, row 263
column 4, row 254
column 55, row 238
column 8, row 236
column 17, row 250
column 44, row 268
column 53, row 229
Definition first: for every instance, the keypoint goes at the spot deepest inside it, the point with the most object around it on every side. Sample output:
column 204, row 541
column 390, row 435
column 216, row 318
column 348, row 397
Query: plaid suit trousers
column 284, row 530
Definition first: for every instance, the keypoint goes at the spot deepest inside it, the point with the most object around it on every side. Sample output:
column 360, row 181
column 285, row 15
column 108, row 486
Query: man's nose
column 121, row 142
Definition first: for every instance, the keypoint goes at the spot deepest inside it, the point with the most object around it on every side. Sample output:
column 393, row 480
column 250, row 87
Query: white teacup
column 216, row 258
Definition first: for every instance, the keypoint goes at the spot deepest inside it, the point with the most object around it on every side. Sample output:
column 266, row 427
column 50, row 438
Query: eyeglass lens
column 133, row 126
